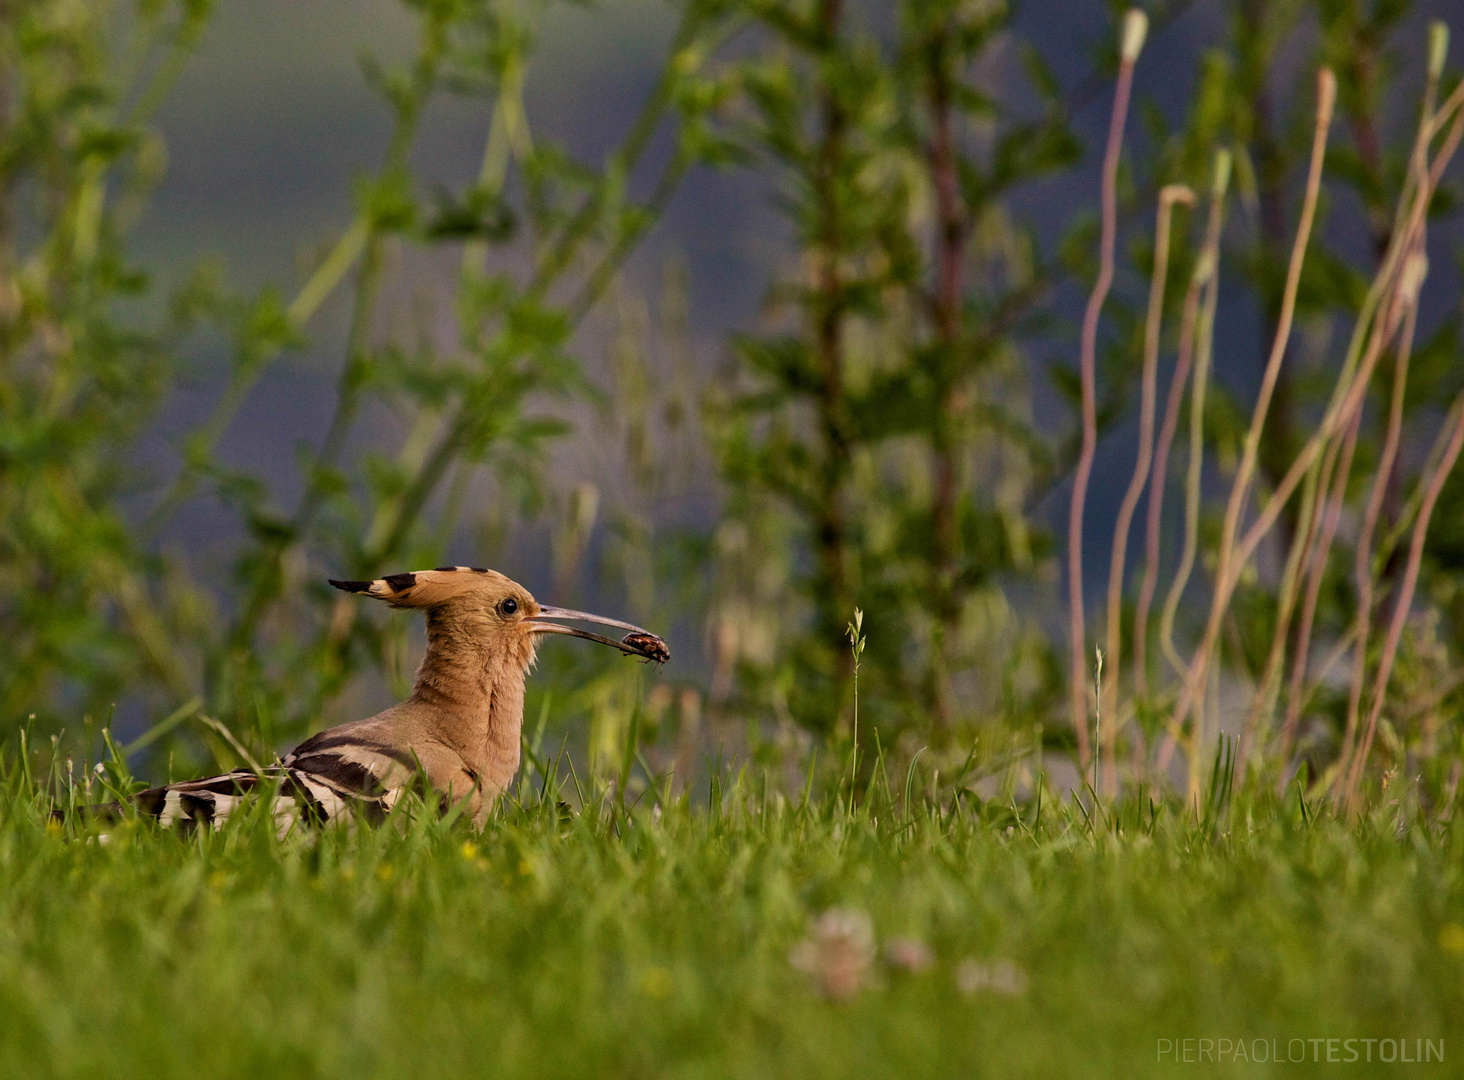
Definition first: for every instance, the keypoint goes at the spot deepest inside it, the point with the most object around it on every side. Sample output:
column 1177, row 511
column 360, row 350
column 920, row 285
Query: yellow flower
column 384, row 871
column 656, row 982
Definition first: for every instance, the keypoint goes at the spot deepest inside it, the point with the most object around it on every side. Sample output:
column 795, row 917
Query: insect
column 648, row 645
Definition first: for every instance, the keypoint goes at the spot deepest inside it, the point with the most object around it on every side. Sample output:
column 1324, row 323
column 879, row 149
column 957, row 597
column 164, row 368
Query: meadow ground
column 748, row 936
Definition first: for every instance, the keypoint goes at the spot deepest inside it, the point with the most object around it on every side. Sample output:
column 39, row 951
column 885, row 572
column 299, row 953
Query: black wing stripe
column 339, row 772
column 198, row 807
column 318, row 744
column 312, row 811
column 235, row 783
column 152, row 801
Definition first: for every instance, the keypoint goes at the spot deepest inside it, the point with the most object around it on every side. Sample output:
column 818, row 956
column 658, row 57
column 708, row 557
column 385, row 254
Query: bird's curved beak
column 638, row 642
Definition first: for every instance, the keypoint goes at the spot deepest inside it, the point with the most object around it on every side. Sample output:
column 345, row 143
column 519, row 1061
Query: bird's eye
column 507, row 606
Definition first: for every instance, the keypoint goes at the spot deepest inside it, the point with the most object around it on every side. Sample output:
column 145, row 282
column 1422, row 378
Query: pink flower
column 908, row 954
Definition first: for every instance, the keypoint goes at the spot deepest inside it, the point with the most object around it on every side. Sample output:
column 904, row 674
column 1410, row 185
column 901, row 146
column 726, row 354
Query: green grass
column 638, row 944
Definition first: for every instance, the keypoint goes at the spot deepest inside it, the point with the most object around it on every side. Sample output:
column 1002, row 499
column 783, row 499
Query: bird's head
column 496, row 613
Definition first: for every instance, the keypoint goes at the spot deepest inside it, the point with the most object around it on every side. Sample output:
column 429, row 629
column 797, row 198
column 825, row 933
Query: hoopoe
column 459, row 730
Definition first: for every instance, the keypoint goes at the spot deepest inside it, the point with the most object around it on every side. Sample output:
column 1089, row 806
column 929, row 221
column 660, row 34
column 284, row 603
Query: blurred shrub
column 83, row 362
column 524, row 251
column 879, row 440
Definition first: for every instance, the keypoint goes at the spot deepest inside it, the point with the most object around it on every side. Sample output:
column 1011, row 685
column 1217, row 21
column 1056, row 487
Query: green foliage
column 885, row 413
column 80, row 367
column 93, row 606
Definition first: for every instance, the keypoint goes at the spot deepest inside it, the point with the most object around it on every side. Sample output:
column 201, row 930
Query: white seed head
column 1182, row 194
column 1135, row 29
column 1326, row 94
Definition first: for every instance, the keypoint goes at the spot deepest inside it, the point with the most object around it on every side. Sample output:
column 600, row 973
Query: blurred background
column 725, row 318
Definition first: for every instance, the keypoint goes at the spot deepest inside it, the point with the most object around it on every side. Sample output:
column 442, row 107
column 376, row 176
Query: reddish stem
column 1087, row 363
column 1405, row 596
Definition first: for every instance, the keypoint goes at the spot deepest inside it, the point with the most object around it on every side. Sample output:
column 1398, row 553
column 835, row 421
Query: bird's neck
column 475, row 696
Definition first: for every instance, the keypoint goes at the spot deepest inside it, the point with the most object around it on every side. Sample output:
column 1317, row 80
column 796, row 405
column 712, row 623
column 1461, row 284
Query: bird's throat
column 474, row 697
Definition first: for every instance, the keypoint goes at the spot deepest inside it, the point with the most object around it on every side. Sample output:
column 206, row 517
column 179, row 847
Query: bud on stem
column 1135, row 29
column 1438, row 48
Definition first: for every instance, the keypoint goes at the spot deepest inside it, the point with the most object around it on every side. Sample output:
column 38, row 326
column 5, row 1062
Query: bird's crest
column 425, row 588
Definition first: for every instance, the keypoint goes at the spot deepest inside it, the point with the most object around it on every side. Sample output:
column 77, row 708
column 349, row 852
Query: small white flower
column 998, row 977
column 837, row 952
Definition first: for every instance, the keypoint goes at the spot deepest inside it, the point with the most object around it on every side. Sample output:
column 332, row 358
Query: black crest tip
column 350, row 586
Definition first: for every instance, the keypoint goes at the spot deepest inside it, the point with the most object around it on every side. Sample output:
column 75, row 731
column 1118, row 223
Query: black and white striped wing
column 348, row 760
column 301, row 797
